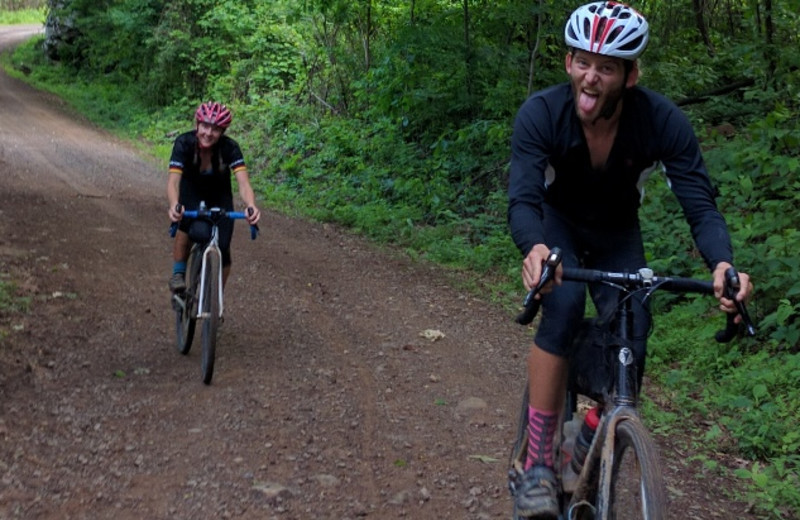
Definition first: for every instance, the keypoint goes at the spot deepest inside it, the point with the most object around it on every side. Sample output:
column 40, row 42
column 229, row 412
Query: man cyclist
column 580, row 153
column 200, row 171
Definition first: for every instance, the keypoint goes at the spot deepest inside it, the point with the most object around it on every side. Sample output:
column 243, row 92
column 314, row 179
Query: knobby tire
column 637, row 487
column 211, row 322
column 185, row 318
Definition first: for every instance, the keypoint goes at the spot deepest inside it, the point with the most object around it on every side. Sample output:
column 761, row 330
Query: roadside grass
column 10, row 300
column 22, row 16
column 11, row 304
column 741, row 399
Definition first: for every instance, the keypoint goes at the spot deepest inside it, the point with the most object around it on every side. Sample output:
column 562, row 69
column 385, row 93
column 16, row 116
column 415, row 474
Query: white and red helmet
column 607, row 28
column 214, row 113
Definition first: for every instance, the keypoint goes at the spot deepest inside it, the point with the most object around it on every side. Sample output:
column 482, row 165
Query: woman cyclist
column 200, row 170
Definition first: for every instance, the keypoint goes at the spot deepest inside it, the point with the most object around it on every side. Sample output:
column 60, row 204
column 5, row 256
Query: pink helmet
column 214, row 113
column 608, row 28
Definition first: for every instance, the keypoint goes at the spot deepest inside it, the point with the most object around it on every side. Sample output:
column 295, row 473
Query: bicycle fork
column 213, row 248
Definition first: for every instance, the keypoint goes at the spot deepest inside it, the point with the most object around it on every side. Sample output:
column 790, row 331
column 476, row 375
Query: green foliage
column 775, row 486
column 759, row 176
column 747, row 403
column 170, row 50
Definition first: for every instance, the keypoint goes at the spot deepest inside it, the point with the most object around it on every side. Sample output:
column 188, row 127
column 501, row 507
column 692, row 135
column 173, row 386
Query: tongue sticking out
column 586, row 103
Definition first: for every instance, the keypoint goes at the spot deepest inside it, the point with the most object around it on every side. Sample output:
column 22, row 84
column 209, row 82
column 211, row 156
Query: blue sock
column 179, row 267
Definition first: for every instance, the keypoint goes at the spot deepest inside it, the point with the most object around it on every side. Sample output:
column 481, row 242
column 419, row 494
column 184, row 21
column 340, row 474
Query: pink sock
column 541, row 431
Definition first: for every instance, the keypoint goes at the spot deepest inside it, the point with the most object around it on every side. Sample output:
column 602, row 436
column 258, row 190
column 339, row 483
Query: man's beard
column 609, row 107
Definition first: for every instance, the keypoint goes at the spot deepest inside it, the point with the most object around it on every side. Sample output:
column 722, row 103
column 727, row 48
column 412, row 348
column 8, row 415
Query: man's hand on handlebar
column 532, row 268
column 727, row 304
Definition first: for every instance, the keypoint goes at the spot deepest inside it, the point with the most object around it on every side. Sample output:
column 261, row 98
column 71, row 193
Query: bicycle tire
column 211, row 322
column 520, row 448
column 185, row 319
column 637, row 487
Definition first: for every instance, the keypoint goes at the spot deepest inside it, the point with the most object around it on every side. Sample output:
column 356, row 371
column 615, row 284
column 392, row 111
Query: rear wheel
column 185, row 304
column 211, row 298
column 637, row 487
column 184, row 325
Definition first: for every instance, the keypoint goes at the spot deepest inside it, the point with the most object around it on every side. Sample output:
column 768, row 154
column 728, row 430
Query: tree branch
column 703, row 97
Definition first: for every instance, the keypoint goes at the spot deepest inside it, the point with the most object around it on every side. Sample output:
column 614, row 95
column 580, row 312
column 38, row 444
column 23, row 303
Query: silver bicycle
column 203, row 299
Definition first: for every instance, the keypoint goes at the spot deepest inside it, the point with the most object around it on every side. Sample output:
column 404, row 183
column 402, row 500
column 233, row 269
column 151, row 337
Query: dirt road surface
column 327, row 402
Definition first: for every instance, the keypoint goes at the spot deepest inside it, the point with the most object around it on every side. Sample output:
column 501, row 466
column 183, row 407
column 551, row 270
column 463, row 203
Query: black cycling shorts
column 225, row 236
column 563, row 309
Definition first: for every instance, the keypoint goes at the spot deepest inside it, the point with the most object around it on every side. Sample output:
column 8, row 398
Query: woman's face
column 208, row 134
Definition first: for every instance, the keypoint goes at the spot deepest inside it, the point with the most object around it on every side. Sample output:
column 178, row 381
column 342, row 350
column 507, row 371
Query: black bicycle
column 620, row 477
column 202, row 298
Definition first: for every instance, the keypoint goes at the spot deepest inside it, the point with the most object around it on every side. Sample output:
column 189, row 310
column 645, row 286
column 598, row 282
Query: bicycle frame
column 212, row 247
column 595, row 480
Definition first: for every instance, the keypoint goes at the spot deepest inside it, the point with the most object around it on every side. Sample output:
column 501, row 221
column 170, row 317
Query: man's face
column 208, row 134
column 597, row 82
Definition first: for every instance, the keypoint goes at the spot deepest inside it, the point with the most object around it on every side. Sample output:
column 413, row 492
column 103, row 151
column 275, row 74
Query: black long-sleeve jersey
column 550, row 164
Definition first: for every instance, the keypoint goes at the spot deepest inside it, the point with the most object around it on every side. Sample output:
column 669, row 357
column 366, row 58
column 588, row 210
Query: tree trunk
column 700, row 20
column 535, row 50
column 367, row 36
column 769, row 31
column 468, row 50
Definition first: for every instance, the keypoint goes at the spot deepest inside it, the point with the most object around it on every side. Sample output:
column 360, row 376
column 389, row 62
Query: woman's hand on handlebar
column 176, row 212
column 253, row 215
column 532, row 268
column 727, row 304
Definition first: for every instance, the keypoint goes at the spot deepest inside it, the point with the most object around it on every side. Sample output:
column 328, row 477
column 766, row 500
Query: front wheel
column 637, row 489
column 211, row 298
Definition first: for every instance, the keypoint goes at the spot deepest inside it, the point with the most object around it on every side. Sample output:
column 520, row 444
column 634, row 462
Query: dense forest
column 393, row 117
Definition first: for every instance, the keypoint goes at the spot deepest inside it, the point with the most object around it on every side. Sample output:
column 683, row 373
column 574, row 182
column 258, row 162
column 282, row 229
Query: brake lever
column 173, row 227
column 531, row 304
column 253, row 227
column 732, row 286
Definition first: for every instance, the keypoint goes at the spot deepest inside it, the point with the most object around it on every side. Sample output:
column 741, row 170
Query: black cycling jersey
column 550, row 164
column 213, row 186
